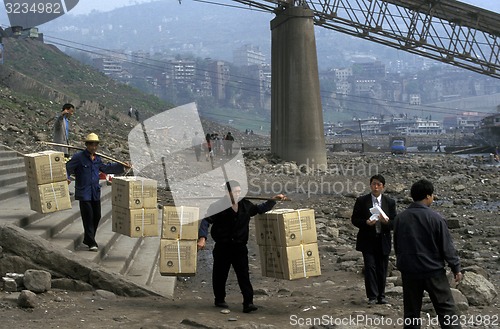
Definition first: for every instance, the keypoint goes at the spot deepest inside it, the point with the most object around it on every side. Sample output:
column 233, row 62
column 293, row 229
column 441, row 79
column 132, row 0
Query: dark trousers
column 225, row 255
column 439, row 292
column 375, row 273
column 91, row 215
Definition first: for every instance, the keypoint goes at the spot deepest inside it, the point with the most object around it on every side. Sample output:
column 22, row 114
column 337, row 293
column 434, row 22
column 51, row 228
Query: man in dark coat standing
column 230, row 230
column 423, row 244
column 374, row 237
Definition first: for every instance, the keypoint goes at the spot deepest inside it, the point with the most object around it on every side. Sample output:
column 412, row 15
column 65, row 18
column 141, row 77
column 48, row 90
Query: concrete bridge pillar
column 296, row 112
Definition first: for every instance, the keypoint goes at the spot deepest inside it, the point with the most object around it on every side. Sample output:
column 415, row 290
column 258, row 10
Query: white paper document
column 376, row 211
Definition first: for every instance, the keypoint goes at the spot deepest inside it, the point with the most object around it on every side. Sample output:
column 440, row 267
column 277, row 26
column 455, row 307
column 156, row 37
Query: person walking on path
column 86, row 165
column 61, row 128
column 423, row 244
column 438, row 146
column 196, row 143
column 229, row 140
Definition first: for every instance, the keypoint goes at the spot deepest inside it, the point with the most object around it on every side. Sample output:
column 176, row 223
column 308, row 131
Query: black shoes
column 222, row 304
column 380, row 301
column 249, row 308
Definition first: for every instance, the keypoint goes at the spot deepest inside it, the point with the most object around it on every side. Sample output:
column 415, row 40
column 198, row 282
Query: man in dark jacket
column 230, row 233
column 374, row 237
column 86, row 165
column 423, row 243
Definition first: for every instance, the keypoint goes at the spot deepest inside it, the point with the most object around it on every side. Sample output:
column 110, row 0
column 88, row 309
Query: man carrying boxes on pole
column 230, row 229
column 86, row 165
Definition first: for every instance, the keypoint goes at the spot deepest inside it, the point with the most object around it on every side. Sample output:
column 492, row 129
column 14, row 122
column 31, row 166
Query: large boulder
column 27, row 299
column 478, row 290
column 37, row 281
column 460, row 300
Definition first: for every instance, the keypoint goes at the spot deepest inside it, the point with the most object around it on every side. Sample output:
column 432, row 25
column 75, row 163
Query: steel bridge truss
column 444, row 30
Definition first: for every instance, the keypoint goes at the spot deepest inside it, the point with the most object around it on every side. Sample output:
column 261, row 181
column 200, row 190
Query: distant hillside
column 204, row 29
column 36, row 79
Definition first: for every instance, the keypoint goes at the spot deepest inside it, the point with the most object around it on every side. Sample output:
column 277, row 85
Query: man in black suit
column 374, row 237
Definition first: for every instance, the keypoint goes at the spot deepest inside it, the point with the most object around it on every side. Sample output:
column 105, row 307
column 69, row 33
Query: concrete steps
column 134, row 258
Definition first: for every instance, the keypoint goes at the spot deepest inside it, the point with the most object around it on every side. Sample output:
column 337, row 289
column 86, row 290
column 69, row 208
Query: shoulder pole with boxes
column 82, row 148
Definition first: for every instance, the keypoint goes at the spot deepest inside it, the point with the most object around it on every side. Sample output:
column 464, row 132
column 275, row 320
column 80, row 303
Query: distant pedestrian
column 423, row 244
column 207, row 147
column 196, row 143
column 229, row 140
column 61, row 128
column 438, row 146
column 130, row 111
column 137, row 114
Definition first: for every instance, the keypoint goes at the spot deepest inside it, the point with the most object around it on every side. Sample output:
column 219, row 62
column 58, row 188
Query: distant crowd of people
column 213, row 144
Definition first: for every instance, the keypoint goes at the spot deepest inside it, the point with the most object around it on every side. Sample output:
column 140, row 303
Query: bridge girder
column 444, row 30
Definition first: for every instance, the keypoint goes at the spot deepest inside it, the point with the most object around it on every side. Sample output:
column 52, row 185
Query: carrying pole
column 82, row 148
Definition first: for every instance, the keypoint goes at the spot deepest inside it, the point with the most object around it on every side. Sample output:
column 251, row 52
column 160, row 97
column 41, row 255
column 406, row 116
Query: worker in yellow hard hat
column 86, row 165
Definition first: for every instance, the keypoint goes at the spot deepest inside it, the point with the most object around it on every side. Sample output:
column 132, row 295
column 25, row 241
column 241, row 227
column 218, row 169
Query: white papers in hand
column 376, row 211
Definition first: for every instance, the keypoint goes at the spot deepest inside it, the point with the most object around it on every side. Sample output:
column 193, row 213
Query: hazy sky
column 86, row 6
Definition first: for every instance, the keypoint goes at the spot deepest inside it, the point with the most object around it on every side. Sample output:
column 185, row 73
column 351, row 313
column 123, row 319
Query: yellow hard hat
column 92, row 138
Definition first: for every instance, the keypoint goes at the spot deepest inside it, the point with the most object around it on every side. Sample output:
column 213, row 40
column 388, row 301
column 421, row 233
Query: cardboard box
column 178, row 257
column 135, row 223
column 290, row 263
column 45, row 167
column 134, row 192
column 286, row 227
column 180, row 223
column 46, row 198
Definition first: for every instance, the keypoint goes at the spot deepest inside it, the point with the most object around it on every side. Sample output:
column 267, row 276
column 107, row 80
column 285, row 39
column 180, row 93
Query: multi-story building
column 109, row 66
column 182, row 71
column 420, row 127
column 219, row 76
column 248, row 55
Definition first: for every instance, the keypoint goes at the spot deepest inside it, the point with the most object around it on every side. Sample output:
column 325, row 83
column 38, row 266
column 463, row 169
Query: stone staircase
column 136, row 259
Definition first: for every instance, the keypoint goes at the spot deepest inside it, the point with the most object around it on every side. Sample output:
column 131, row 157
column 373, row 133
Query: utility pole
column 361, row 134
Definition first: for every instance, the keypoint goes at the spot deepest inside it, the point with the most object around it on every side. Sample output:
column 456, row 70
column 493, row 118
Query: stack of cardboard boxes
column 287, row 242
column 179, row 237
column 134, row 206
column 47, row 181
